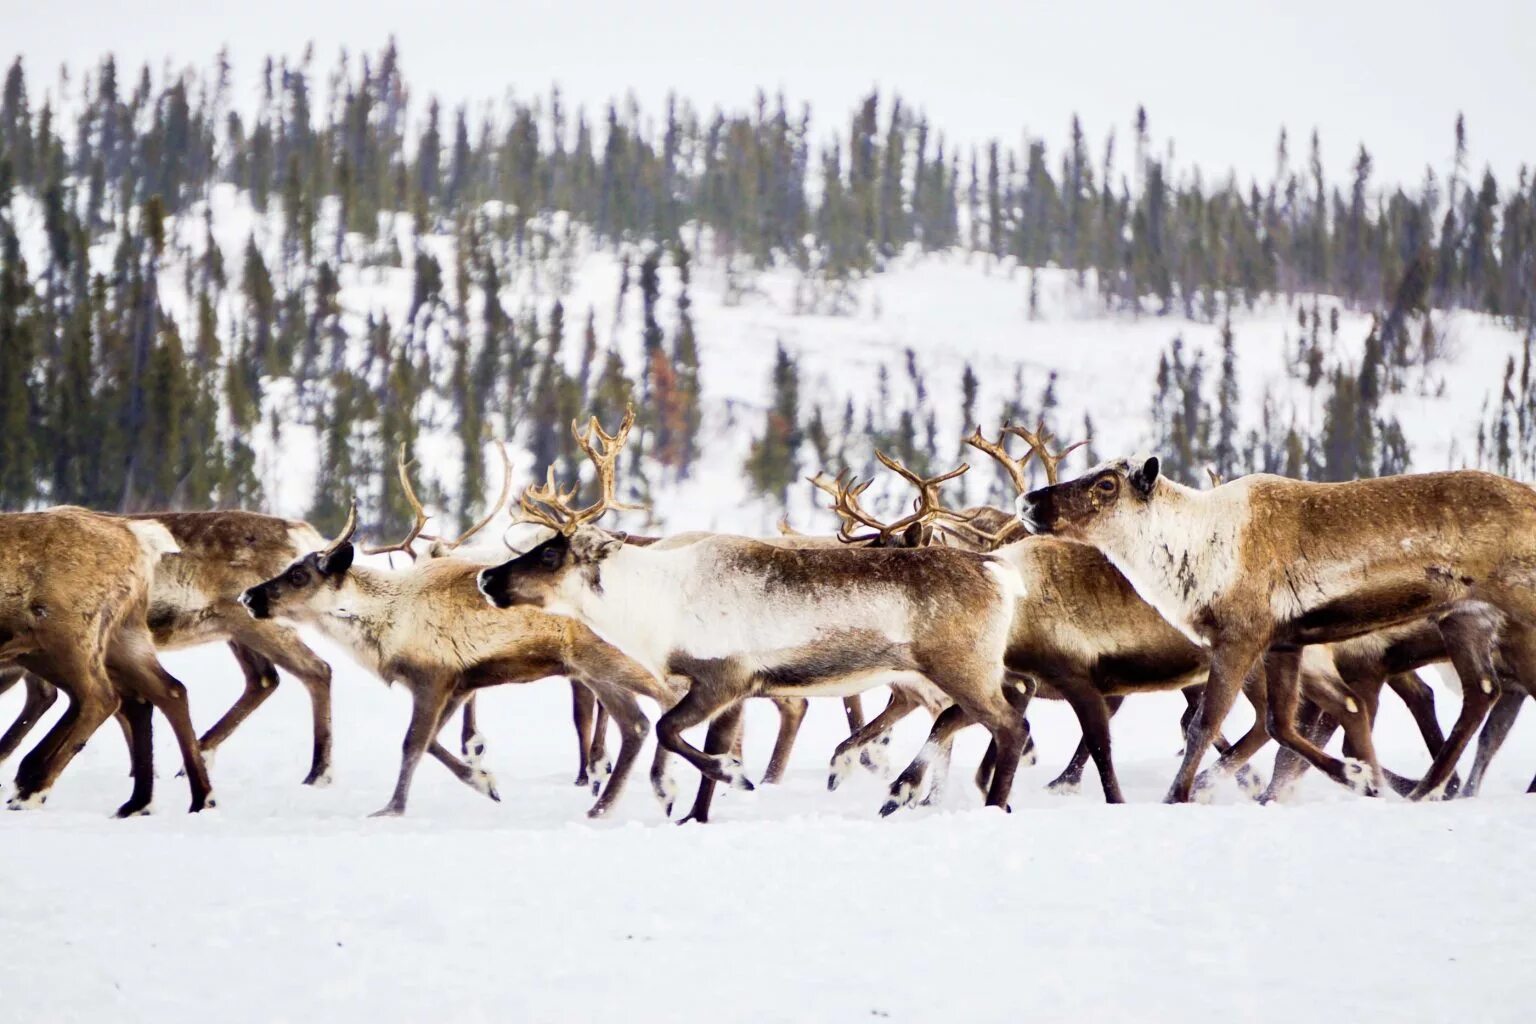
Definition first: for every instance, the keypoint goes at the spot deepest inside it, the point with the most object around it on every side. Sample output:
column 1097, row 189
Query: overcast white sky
column 1218, row 78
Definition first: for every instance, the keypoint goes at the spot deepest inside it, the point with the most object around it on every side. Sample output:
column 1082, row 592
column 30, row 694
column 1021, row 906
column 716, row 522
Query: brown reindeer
column 195, row 599
column 74, row 590
column 429, row 629
column 1266, row 564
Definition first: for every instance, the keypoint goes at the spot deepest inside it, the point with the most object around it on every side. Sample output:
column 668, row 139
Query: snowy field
column 796, row 904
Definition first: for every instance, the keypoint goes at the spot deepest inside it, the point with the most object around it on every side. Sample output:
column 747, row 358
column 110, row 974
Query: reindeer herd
column 1309, row 599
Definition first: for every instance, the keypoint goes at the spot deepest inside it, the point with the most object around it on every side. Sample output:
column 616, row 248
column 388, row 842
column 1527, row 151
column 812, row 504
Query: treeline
column 115, row 394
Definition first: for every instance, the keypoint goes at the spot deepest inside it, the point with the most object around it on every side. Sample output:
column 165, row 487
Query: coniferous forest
column 114, row 396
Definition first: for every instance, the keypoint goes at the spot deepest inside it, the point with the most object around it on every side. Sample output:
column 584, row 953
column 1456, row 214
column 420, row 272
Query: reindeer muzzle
column 255, row 601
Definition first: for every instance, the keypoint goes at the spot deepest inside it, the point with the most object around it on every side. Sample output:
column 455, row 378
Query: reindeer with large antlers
column 741, row 618
column 1083, row 633
column 428, row 628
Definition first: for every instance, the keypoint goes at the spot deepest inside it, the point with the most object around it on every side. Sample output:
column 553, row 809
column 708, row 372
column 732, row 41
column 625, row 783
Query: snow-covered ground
column 796, row 904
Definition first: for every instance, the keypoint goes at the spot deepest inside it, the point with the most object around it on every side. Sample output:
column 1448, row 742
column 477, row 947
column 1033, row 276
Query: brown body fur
column 430, row 629
column 1270, row 564
column 74, row 590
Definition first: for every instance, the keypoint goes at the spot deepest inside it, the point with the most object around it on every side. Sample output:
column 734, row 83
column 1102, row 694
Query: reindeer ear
column 1144, row 477
column 917, row 535
column 337, row 562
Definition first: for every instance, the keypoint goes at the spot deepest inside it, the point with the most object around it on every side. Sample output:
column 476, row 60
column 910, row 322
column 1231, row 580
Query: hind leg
column 91, row 702
column 1093, row 715
column 136, row 671
column 633, row 727
column 139, row 717
column 40, row 696
column 470, row 772
column 1071, row 778
column 1500, row 720
column 791, row 715
column 1470, row 642
column 855, row 748
column 287, row 650
column 261, row 682
column 907, row 788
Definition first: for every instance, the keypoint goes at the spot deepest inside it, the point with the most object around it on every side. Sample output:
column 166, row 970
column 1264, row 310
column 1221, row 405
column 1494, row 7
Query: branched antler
column 549, row 505
column 926, row 506
column 1039, row 441
column 1210, row 471
column 421, row 513
column 999, row 452
column 501, row 500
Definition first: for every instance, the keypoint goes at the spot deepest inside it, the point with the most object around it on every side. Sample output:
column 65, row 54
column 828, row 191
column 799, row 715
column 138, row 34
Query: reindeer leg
column 40, row 696
column 471, row 743
column 472, row 773
column 704, row 699
column 907, row 788
column 598, row 767
column 261, row 682
column 92, row 700
column 1470, row 643
column 1071, row 777
column 138, row 714
column 582, row 706
column 853, row 750
column 1420, row 701
column 633, row 727
column 721, row 737
column 791, row 714
column 429, row 697
column 1505, row 710
column 1233, row 660
column 283, row 647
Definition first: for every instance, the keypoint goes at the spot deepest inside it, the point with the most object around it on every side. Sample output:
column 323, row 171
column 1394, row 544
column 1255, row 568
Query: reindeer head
column 537, row 577
column 577, row 548
column 1095, row 504
column 317, row 583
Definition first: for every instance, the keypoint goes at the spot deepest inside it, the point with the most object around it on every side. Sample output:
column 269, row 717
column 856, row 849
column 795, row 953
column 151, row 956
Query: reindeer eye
column 551, row 558
column 297, row 577
column 1107, row 485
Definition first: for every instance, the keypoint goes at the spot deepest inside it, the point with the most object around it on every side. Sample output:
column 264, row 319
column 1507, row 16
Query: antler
column 345, row 536
column 925, row 507
column 550, row 506
column 1014, row 467
column 506, row 492
column 421, row 513
column 1038, row 440
column 1210, row 471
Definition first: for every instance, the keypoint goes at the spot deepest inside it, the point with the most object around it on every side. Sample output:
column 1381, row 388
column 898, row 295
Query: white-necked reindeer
column 1270, row 564
column 741, row 618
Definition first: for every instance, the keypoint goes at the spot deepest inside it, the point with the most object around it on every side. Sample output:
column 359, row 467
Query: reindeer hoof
column 390, row 811
column 1065, row 787
column 729, row 771
column 597, row 811
column 128, row 810
column 473, row 748
column 875, row 757
column 1250, row 781
column 1453, row 787
column 1359, row 777
column 27, row 803
column 208, row 804
column 692, row 819
column 583, row 780
column 485, row 782
column 319, row 779
column 889, row 808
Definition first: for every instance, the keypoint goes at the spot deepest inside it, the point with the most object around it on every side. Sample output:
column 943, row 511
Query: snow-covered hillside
column 946, row 311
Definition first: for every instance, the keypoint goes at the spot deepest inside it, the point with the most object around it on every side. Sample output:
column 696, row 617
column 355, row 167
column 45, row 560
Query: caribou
column 74, row 592
column 1258, row 568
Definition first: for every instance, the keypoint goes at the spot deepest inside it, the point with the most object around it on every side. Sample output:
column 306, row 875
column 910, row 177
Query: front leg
column 429, row 699
column 1232, row 659
column 723, row 731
